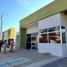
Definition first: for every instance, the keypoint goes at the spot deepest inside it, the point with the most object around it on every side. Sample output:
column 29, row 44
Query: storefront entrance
column 31, row 41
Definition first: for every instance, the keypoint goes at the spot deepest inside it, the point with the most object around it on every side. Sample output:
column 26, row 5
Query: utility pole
column 1, row 26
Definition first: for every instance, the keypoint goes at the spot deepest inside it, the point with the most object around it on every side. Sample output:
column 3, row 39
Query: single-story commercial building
column 46, row 29
column 8, row 34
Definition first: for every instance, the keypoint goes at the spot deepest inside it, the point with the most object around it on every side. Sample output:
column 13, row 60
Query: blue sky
column 15, row 10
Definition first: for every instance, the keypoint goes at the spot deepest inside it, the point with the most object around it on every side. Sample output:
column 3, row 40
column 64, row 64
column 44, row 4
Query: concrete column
column 22, row 37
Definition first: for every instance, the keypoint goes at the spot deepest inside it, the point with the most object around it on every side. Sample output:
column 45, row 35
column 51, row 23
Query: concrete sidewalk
column 43, row 62
column 36, row 59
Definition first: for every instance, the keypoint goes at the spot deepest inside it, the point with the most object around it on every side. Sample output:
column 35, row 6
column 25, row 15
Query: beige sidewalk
column 34, row 57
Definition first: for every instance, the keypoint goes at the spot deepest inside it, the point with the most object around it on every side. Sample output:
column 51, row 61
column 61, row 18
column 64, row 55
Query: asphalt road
column 59, row 63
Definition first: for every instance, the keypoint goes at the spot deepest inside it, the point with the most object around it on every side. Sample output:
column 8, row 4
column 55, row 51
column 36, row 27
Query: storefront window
column 34, row 34
column 43, row 38
column 43, row 30
column 63, row 37
column 63, row 34
column 52, row 29
column 54, row 37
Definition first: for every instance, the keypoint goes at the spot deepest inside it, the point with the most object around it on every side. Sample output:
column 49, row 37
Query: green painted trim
column 22, row 37
column 49, row 10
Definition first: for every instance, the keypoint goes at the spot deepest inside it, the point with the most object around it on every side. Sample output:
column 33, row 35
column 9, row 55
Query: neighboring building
column 46, row 29
column 9, row 34
column 17, row 45
column 17, row 40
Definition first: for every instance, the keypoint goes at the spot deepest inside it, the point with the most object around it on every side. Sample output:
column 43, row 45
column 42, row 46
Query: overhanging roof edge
column 46, row 11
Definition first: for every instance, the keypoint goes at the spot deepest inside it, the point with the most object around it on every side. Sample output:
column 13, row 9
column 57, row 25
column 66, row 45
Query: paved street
column 36, row 59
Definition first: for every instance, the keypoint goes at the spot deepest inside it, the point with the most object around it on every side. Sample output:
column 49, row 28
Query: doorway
column 31, row 41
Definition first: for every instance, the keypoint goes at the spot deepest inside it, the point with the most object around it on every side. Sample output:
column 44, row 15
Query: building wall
column 17, row 41
column 9, row 34
column 49, row 22
column 53, row 21
column 12, row 33
column 22, row 37
column 58, row 49
column 6, row 35
column 49, row 10
column 63, row 20
column 32, row 28
column 57, row 19
column 47, row 47
column 54, row 49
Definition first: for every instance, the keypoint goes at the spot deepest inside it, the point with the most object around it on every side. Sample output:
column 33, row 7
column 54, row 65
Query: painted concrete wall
column 12, row 33
column 6, row 35
column 49, row 22
column 64, row 50
column 9, row 34
column 63, row 20
column 17, row 41
column 22, row 37
column 49, row 10
column 53, row 48
column 47, row 47
column 32, row 28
